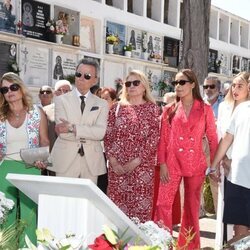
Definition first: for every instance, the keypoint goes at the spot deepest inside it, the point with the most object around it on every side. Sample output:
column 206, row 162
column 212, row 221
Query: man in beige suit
column 80, row 125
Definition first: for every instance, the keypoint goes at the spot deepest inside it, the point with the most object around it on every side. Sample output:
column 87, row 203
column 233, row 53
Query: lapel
column 74, row 101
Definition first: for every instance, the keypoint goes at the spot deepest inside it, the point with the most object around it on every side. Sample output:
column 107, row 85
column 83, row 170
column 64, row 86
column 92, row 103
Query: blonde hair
column 124, row 97
column 27, row 98
column 244, row 76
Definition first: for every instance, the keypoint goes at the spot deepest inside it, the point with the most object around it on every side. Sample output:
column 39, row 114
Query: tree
column 195, row 15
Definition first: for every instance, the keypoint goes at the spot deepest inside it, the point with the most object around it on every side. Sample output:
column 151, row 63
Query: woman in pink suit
column 181, row 155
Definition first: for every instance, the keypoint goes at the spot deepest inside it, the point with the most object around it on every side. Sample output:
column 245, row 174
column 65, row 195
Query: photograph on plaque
column 236, row 64
column 118, row 30
column 34, row 18
column 89, row 30
column 69, row 23
column 134, row 37
column 8, row 53
column 35, row 65
column 8, row 16
column 224, row 62
column 154, row 46
column 168, row 77
column 171, row 51
column 244, row 64
column 212, row 57
column 154, row 77
column 63, row 65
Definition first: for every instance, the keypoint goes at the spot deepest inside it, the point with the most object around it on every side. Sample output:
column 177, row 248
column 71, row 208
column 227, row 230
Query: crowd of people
column 135, row 153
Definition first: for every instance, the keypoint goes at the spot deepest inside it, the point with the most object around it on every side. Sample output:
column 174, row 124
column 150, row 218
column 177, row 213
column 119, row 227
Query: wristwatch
column 71, row 128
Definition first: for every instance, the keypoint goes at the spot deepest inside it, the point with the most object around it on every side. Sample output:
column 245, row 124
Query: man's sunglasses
column 47, row 92
column 134, row 83
column 86, row 76
column 12, row 87
column 180, row 82
column 212, row 86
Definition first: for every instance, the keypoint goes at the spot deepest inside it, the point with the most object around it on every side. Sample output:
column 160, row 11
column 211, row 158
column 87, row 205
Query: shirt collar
column 79, row 94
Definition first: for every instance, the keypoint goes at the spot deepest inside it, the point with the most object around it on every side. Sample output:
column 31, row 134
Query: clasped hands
column 62, row 127
column 126, row 168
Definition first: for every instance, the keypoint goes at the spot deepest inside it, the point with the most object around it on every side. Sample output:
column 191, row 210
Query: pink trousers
column 190, row 216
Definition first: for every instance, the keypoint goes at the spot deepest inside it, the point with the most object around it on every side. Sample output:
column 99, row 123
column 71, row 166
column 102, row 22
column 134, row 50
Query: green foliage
column 70, row 78
column 128, row 47
column 10, row 236
column 208, row 198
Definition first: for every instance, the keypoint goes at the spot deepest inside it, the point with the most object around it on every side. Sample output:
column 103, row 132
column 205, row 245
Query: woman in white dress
column 238, row 93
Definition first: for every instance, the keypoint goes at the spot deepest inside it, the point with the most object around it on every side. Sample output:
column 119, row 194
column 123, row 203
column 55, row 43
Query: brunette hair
column 111, row 91
column 195, row 92
column 27, row 98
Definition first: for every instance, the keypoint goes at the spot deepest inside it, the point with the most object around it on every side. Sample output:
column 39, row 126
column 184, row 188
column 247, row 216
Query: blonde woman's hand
column 164, row 175
column 130, row 166
column 118, row 169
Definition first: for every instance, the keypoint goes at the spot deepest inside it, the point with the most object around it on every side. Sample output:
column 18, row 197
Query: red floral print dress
column 133, row 132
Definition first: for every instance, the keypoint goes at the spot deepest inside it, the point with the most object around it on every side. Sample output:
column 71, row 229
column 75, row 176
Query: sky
column 238, row 7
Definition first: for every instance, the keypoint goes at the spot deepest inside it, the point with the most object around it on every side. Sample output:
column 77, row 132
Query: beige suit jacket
column 90, row 129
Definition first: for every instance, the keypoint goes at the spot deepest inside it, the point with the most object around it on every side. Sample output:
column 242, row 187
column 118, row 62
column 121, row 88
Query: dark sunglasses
column 212, row 86
column 47, row 92
column 181, row 82
column 12, row 87
column 86, row 76
column 134, row 83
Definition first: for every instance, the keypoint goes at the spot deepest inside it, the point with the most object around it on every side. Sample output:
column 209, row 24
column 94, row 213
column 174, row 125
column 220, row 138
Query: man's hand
column 62, row 127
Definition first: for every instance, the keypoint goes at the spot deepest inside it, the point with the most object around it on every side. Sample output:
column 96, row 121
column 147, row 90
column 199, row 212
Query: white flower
column 5, row 206
column 158, row 236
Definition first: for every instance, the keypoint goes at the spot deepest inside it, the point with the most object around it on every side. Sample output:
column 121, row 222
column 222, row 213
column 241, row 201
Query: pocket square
column 94, row 108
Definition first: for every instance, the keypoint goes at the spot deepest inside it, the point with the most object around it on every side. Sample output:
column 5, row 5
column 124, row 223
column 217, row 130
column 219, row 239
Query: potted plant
column 111, row 41
column 128, row 50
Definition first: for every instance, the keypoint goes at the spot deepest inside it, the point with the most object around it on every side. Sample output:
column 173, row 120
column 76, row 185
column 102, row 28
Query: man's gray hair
column 92, row 62
column 216, row 80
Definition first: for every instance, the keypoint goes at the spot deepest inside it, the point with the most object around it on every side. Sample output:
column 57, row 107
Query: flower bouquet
column 160, row 239
column 112, row 39
column 57, row 27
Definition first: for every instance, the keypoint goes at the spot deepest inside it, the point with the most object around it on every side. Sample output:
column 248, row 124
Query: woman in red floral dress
column 180, row 155
column 130, row 145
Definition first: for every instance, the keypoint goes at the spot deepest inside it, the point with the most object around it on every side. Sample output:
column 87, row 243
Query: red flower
column 101, row 244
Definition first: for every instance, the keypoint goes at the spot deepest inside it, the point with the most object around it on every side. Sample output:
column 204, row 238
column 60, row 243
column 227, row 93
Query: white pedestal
column 73, row 205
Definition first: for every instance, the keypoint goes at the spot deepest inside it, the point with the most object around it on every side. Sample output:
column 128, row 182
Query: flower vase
column 110, row 48
column 59, row 39
column 128, row 53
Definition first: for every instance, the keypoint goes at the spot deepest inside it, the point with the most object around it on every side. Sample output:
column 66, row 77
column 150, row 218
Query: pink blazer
column 180, row 145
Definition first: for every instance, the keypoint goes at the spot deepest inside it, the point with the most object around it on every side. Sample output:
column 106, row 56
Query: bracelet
column 211, row 170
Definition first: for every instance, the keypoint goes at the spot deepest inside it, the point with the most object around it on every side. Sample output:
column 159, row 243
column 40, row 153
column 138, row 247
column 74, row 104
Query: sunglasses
column 12, row 87
column 86, row 76
column 134, row 83
column 180, row 82
column 47, row 92
column 212, row 86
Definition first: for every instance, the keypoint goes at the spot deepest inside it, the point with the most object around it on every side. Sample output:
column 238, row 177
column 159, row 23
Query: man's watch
column 71, row 128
